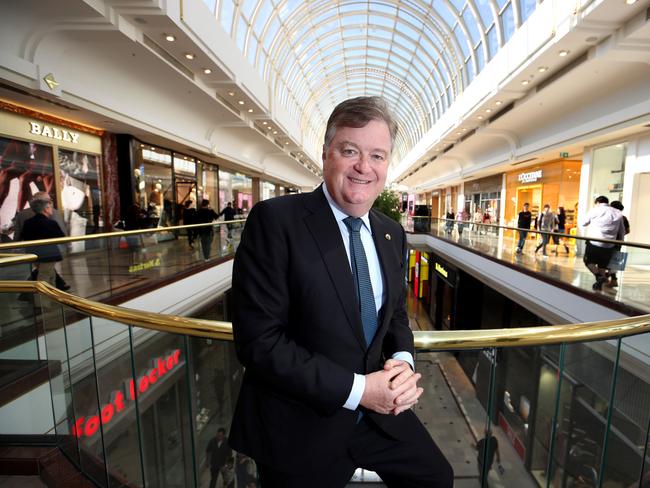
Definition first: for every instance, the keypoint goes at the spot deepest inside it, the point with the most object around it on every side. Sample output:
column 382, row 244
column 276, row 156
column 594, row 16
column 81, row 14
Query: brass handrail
column 640, row 245
column 89, row 237
column 424, row 340
column 12, row 258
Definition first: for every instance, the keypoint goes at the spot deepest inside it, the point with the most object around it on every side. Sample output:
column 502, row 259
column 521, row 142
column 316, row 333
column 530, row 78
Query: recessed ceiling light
column 458, row 133
column 264, row 123
column 480, row 117
column 464, row 130
column 498, row 102
column 563, row 53
column 170, row 38
column 542, row 69
column 286, row 143
column 189, row 55
column 488, row 110
column 240, row 102
column 231, row 93
column 525, row 82
column 250, row 110
column 630, row 2
column 275, row 131
column 207, row 71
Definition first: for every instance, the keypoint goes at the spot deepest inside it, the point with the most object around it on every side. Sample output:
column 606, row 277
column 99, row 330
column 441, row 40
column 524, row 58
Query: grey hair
column 357, row 113
column 39, row 205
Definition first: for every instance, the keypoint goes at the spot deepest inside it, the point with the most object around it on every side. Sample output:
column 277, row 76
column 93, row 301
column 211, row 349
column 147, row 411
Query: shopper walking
column 561, row 229
column 602, row 222
column 546, row 223
column 613, row 279
column 205, row 215
column 523, row 222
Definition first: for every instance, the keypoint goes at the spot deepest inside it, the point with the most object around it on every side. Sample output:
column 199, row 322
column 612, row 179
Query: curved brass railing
column 90, row 237
column 424, row 340
column 640, row 245
column 12, row 258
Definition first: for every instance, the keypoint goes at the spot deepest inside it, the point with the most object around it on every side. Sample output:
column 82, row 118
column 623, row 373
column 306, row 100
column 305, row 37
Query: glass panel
column 608, row 172
column 153, row 180
column 630, row 417
column 226, row 15
column 160, row 391
column 508, row 23
column 583, row 413
column 527, row 7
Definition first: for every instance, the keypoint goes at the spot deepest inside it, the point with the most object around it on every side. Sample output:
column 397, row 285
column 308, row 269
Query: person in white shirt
column 602, row 222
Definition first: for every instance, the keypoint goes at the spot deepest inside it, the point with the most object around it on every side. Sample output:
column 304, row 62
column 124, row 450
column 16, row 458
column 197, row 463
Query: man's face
column 355, row 166
column 220, row 436
column 525, row 208
column 48, row 210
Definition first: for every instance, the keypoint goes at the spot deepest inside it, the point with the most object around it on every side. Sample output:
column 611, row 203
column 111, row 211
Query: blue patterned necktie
column 362, row 281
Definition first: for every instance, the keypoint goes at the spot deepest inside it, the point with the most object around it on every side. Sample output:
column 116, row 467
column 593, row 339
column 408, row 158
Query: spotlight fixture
column 207, row 71
column 458, row 133
column 542, row 69
column 240, row 102
column 170, row 38
column 250, row 110
column 231, row 93
column 480, row 117
column 488, row 110
column 286, row 143
column 498, row 102
column 189, row 56
column 275, row 131
column 563, row 53
column 525, row 82
column 464, row 129
column 264, row 123
column 630, row 2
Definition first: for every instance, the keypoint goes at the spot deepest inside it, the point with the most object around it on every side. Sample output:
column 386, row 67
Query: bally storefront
column 41, row 153
column 556, row 183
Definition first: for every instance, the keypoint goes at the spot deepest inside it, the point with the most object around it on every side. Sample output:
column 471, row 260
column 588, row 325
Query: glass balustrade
column 563, row 261
column 138, row 407
column 110, row 266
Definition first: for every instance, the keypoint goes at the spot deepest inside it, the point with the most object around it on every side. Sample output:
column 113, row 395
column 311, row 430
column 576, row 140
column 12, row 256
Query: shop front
column 484, row 194
column 39, row 153
column 556, row 183
column 443, row 284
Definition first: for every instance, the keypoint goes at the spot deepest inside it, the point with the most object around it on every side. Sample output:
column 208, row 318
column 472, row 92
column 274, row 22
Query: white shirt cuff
column 405, row 356
column 356, row 392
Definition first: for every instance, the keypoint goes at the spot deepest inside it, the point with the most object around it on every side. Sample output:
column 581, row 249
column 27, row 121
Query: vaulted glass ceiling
column 418, row 54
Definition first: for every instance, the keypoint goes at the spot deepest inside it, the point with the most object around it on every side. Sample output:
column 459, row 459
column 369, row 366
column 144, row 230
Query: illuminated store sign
column 88, row 426
column 441, row 269
column 152, row 263
column 53, row 132
column 530, row 177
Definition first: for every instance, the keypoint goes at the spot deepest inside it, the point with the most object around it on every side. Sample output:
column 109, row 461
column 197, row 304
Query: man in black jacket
column 523, row 222
column 320, row 323
column 42, row 226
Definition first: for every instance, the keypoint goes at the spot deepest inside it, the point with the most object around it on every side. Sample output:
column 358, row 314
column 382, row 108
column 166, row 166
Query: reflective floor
column 633, row 284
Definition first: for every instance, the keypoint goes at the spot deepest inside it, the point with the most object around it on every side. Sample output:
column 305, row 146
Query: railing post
column 610, row 410
column 551, row 450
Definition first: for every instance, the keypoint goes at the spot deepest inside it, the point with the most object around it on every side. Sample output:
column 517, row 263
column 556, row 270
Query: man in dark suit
column 219, row 452
column 320, row 325
column 42, row 226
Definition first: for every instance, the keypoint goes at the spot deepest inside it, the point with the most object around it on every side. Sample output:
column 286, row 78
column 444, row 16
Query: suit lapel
column 326, row 234
column 384, row 251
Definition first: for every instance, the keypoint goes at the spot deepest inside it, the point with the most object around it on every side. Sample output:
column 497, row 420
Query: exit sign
column 564, row 154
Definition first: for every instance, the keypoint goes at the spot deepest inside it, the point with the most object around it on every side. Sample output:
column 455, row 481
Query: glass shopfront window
column 81, row 195
column 236, row 188
column 268, row 190
column 154, row 190
column 25, row 169
column 608, row 172
column 209, row 185
column 184, row 183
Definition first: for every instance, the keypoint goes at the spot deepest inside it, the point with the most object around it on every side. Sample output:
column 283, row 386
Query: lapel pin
column 387, row 236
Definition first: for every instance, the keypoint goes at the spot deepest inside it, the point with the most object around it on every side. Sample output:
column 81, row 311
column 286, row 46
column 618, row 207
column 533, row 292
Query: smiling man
column 321, row 326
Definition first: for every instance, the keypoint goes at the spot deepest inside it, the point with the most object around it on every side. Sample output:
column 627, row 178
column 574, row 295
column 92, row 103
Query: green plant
column 388, row 202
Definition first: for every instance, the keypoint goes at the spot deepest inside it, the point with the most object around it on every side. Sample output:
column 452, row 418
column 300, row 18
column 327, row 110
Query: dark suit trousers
column 417, row 463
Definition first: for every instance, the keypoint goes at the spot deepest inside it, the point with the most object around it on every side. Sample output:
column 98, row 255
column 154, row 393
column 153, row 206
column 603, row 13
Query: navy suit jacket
column 299, row 334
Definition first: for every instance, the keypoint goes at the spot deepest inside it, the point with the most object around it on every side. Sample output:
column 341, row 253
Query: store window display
column 154, row 190
column 81, row 195
column 25, row 169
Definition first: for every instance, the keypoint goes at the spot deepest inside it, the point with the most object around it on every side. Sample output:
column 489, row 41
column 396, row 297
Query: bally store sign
column 45, row 130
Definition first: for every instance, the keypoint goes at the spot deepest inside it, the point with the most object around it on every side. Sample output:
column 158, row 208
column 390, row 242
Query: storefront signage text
column 441, row 269
column 134, row 268
column 530, row 177
column 88, row 426
column 54, row 133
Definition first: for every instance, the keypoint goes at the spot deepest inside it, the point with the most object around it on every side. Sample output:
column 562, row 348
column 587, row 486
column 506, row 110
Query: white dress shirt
column 377, row 281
